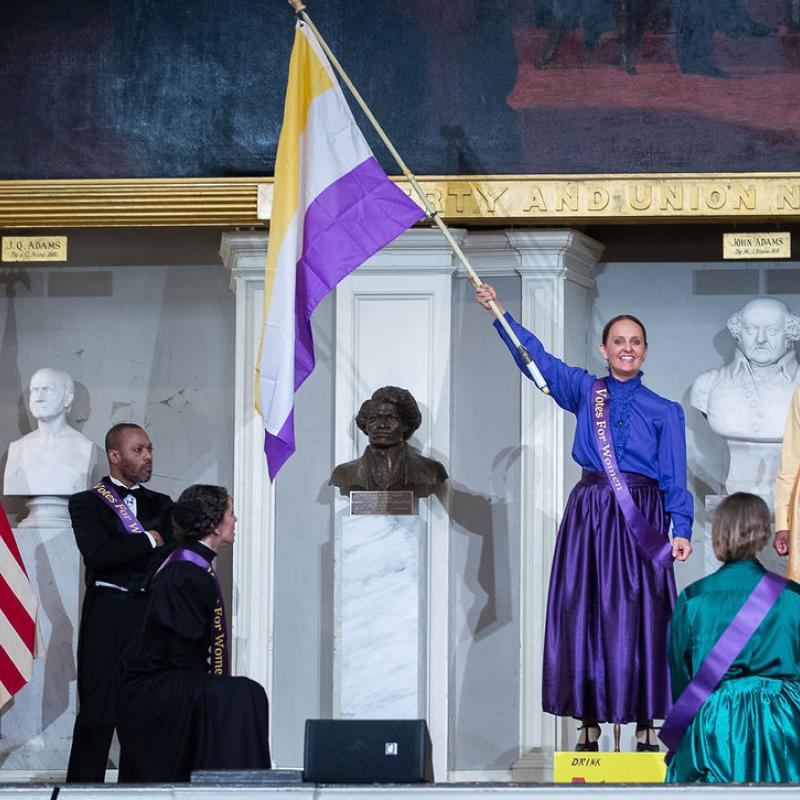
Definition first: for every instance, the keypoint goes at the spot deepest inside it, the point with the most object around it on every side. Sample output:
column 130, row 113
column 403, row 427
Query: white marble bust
column 746, row 400
column 54, row 459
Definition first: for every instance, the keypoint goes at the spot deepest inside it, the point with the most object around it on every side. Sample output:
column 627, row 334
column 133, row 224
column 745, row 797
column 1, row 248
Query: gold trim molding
column 461, row 200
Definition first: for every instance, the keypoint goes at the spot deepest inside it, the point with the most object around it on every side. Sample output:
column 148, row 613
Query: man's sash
column 650, row 542
column 719, row 660
column 105, row 491
column 220, row 664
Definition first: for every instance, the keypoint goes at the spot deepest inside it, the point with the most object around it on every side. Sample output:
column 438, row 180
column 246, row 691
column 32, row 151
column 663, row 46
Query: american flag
column 20, row 642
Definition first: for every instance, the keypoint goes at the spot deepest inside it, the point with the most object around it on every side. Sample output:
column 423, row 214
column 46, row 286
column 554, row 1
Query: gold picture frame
column 531, row 200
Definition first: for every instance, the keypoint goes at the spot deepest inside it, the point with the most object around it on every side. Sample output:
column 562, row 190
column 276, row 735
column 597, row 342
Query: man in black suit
column 116, row 563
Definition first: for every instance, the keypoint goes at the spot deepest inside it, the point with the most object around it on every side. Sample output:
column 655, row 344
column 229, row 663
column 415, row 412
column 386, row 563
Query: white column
column 556, row 267
column 557, row 276
column 244, row 254
column 393, row 323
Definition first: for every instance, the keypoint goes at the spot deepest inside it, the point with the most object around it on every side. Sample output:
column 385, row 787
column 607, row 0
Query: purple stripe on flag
column 346, row 224
column 278, row 448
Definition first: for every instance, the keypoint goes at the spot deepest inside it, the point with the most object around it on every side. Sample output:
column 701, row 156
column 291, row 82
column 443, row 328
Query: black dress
column 175, row 716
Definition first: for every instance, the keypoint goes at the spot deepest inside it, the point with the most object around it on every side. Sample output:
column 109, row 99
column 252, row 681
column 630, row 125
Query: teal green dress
column 748, row 730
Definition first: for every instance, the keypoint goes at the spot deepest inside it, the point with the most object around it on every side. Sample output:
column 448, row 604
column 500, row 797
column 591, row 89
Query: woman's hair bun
column 187, row 513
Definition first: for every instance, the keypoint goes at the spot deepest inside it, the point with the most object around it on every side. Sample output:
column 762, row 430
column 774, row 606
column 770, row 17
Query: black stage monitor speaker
column 367, row 751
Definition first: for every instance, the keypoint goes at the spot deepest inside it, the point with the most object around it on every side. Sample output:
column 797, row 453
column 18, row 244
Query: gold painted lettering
column 744, row 196
column 536, row 201
column 694, row 197
column 459, row 195
column 671, row 198
column 598, row 198
column 641, row 196
column 491, row 196
column 435, row 199
column 788, row 196
column 716, row 198
column 567, row 196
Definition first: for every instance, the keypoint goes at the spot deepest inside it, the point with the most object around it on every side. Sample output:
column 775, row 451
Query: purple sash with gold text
column 719, row 659
column 651, row 543
column 106, row 492
column 219, row 629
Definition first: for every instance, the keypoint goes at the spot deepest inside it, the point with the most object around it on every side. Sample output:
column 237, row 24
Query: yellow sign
column 34, row 248
column 756, row 245
column 576, row 767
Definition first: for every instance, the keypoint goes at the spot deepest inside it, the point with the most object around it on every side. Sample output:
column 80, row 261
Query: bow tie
column 124, row 491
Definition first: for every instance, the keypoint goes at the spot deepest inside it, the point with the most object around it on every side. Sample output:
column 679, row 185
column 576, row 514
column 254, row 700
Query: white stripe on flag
column 17, row 579
column 318, row 171
column 15, row 647
column 330, row 146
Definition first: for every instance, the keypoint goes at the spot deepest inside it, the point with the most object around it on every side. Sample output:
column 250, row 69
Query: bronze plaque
column 393, row 504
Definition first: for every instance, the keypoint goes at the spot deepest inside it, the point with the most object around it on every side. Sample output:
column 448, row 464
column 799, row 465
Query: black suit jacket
column 109, row 553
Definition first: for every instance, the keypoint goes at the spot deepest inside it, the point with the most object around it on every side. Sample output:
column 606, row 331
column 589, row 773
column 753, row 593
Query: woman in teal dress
column 748, row 730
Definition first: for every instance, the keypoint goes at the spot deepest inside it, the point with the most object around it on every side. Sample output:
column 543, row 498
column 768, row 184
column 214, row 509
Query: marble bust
column 389, row 463
column 54, row 459
column 746, row 400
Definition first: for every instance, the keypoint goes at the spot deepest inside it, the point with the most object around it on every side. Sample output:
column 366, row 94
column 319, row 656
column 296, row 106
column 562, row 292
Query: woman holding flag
column 740, row 721
column 180, row 710
column 612, row 585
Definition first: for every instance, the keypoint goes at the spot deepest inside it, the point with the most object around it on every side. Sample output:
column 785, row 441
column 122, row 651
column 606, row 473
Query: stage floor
column 461, row 791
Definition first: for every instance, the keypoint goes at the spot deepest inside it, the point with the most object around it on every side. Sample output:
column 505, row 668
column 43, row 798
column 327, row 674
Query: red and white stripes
column 19, row 640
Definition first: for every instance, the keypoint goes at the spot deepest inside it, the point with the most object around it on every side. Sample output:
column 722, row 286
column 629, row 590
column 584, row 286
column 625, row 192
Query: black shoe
column 647, row 746
column 588, row 746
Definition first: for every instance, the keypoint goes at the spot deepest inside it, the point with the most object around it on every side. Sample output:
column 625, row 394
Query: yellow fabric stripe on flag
column 308, row 79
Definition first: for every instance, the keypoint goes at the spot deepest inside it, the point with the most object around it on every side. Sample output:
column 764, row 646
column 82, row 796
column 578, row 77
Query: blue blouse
column 648, row 430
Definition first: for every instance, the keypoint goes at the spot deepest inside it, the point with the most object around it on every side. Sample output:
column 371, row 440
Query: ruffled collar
column 623, row 387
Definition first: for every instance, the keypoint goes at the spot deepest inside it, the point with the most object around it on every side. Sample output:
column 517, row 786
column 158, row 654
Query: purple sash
column 719, row 660
column 220, row 664
column 650, row 542
column 105, row 491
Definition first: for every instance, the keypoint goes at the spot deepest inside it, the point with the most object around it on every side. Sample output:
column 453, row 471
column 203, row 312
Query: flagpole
column 299, row 8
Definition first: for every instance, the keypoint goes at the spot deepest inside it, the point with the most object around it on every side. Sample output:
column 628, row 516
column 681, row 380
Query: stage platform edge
column 563, row 791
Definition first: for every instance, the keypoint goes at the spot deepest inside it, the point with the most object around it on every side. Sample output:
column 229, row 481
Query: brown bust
column 389, row 463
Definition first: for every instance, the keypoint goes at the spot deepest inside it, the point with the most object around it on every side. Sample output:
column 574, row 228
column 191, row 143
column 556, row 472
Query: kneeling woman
column 748, row 728
column 179, row 709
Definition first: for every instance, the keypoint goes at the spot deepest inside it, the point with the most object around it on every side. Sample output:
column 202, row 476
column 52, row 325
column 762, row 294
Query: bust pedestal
column 47, row 511
column 380, row 637
column 753, row 467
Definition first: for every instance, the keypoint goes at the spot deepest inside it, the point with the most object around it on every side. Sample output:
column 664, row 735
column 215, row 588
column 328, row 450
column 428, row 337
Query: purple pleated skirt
column 608, row 610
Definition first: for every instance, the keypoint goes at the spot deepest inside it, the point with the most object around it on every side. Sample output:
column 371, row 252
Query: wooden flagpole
column 299, row 8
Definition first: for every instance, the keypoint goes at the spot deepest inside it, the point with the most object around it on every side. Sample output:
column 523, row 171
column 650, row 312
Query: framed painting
column 167, row 113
